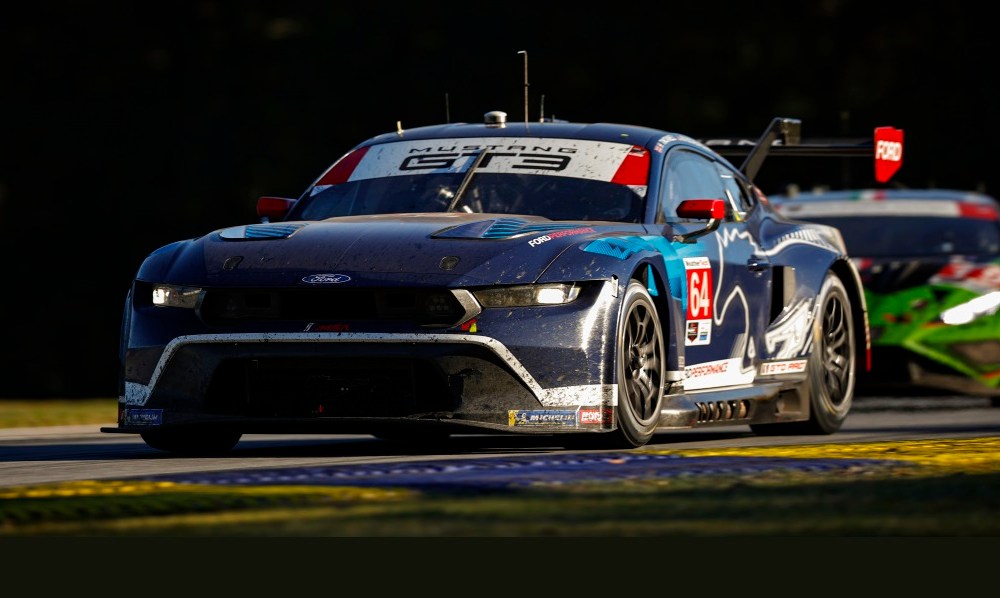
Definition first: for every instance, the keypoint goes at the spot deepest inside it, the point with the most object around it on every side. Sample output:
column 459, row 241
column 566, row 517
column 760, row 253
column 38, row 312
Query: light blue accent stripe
column 623, row 247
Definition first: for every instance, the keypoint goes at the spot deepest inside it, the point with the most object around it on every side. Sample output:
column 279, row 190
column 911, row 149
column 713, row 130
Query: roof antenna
column 447, row 110
column 525, row 52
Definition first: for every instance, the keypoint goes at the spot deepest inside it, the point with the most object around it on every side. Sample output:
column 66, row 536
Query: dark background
column 129, row 125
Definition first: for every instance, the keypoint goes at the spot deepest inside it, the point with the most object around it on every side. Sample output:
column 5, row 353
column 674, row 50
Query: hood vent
column 502, row 228
column 261, row 231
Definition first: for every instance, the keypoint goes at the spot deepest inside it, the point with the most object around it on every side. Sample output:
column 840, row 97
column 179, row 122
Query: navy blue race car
column 601, row 281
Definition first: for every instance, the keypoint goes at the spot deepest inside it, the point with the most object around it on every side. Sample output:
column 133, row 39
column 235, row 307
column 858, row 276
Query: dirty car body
column 602, row 282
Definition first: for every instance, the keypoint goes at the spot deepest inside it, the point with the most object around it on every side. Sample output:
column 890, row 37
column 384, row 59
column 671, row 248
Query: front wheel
column 639, row 363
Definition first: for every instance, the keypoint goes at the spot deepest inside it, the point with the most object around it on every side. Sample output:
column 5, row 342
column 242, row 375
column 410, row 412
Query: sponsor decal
column 325, row 278
column 595, row 417
column 699, row 301
column 724, row 372
column 559, row 233
column 142, row 417
column 888, row 152
column 699, row 332
column 707, row 369
column 663, row 141
column 544, row 417
column 782, row 367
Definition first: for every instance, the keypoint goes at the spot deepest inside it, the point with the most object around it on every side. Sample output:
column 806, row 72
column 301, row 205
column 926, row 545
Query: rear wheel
column 640, row 362
column 192, row 442
column 831, row 366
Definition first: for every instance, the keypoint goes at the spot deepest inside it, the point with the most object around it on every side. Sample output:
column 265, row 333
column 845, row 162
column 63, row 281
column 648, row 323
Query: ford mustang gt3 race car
column 930, row 264
column 602, row 281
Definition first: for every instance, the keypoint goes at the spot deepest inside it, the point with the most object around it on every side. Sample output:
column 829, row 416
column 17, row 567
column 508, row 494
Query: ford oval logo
column 325, row 278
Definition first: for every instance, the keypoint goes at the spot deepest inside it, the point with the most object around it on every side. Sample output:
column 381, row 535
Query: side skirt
column 747, row 404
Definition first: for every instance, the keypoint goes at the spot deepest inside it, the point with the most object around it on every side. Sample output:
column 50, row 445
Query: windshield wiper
column 465, row 182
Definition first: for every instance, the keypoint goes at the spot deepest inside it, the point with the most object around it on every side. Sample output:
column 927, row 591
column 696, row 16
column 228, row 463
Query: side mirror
column 273, row 208
column 713, row 210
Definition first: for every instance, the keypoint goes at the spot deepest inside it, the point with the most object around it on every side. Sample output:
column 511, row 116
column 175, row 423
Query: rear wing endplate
column 783, row 138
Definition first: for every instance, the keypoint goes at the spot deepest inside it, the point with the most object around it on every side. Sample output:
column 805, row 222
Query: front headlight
column 983, row 305
column 528, row 295
column 166, row 295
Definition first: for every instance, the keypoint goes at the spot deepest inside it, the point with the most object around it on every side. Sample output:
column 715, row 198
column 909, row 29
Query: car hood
column 434, row 249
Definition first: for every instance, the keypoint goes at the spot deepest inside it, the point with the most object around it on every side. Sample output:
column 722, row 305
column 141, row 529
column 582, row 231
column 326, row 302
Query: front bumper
column 356, row 381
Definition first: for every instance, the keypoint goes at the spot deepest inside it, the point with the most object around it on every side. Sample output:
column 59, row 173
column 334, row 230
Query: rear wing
column 783, row 138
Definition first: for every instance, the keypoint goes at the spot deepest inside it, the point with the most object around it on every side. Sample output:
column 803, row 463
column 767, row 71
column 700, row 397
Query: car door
column 727, row 277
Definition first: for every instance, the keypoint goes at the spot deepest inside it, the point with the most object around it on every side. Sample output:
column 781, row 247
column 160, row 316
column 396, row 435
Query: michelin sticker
column 541, row 417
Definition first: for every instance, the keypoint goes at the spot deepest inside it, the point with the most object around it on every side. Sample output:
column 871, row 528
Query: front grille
column 425, row 307
column 329, row 387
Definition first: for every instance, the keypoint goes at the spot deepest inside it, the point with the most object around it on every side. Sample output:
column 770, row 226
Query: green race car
column 930, row 264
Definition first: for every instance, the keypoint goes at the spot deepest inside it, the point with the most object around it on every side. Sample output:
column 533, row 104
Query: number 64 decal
column 699, row 300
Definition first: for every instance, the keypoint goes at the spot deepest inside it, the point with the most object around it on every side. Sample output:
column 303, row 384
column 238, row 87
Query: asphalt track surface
column 35, row 456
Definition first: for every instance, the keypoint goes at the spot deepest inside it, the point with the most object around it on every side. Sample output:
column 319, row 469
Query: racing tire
column 639, row 364
column 831, row 366
column 191, row 442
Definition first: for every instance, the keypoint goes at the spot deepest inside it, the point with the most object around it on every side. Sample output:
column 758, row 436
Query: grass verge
column 26, row 413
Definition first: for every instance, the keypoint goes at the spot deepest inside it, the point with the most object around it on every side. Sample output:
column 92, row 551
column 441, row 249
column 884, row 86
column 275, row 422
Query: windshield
column 559, row 179
column 556, row 198
column 916, row 236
